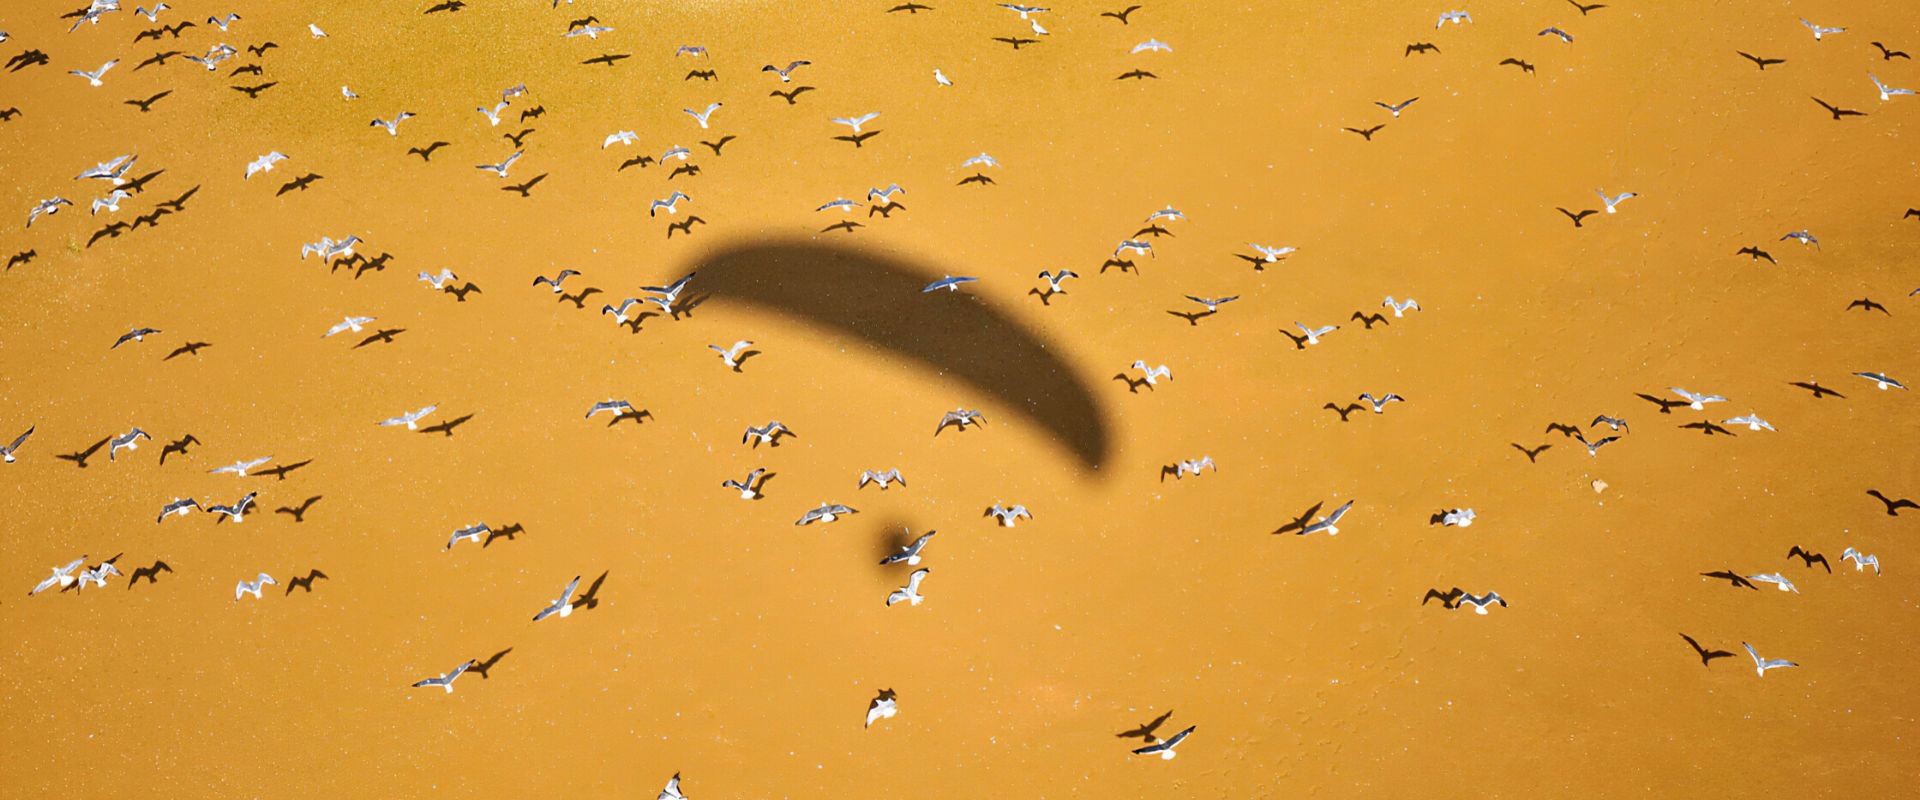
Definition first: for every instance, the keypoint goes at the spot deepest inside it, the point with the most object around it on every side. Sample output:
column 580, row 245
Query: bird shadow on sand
column 79, row 458
column 580, row 300
column 447, row 426
column 1145, row 730
column 177, row 446
column 1343, row 411
column 383, row 335
column 1299, row 342
column 1708, row 428
column 188, row 349
column 1259, row 262
column 460, row 293
column 281, row 471
column 590, row 599
column 1666, row 406
column 1370, row 320
column 858, row 139
column 481, row 668
column 306, row 581
column 1134, row 384
column 507, row 532
column 1299, row 523
column 637, row 416
column 1193, row 317
column 1122, row 264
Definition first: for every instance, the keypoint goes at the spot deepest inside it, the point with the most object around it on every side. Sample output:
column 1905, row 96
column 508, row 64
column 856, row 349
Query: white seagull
column 1455, row 17
column 563, row 605
column 253, row 587
column 748, row 488
column 731, row 355
column 1314, row 334
column 623, row 137
column 950, row 283
column 1613, row 200
column 264, row 163
column 492, row 114
column 701, row 116
column 239, row 468
column 1271, row 254
column 1329, row 523
column 500, row 169
column 440, row 281
column 1008, row 515
column 1396, row 108
column 882, row 707
column 1751, row 420
column 93, row 76
column 961, row 418
column 1820, row 30
column 236, row 512
column 910, row 593
column 111, row 202
column 61, row 575
column 1153, row 374
column 1861, row 560
column 1779, row 582
column 7, row 452
column 392, row 125
column 1887, row 92
column 670, row 203
column 1380, row 403
column 472, row 533
column 1882, row 380
column 410, row 419
column 1164, row 749
column 618, row 408
column 1761, row 665
column 826, row 512
column 1458, row 518
column 855, row 122
column 1696, row 400
column 1153, row 45
column 1053, row 279
column 1400, row 307
column 129, row 440
column 556, row 280
column 351, row 323
column 911, row 552
column 446, row 681
column 883, row 477
column 1480, row 602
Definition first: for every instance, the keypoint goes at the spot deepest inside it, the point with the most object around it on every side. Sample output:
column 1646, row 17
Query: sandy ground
column 727, row 644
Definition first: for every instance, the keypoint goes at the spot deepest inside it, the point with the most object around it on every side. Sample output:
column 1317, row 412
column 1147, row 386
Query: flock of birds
column 122, row 183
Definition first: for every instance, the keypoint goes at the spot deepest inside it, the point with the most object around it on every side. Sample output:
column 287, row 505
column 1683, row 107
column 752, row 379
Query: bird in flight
column 702, row 116
column 910, row 554
column 253, row 587
column 1861, row 560
column 93, row 76
column 1556, row 32
column 501, row 168
column 618, row 408
column 563, row 605
column 349, row 324
column 1213, row 303
column 1761, row 665
column 786, row 72
column 1152, row 46
column 731, row 355
column 555, row 281
column 670, row 203
column 855, row 122
column 1008, row 515
column 1696, row 400
column 411, row 419
column 472, row 533
column 126, row 441
column 1396, row 108
column 1401, row 307
column 264, row 163
column 8, row 451
column 882, row 477
column 1271, row 254
column 392, row 125
column 950, row 283
column 1882, row 381
column 1314, row 334
column 1054, row 279
column 910, row 593
column 1887, row 92
column 1613, row 200
column 1455, row 17
column 135, row 335
column 1380, row 404
column 492, row 114
column 1153, row 375
column 882, row 707
column 1802, row 237
column 1330, row 523
column 1480, row 602
column 1193, row 465
column 446, row 681
column 825, row 513
column 960, row 418
column 236, row 512
column 768, row 434
column 1752, row 421
column 1164, row 748
column 1820, row 30
column 239, row 468
column 61, row 575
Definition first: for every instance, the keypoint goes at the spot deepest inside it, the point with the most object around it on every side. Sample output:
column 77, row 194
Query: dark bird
column 1762, row 63
column 702, row 74
column 26, row 58
column 147, row 104
column 1421, row 47
column 21, row 258
column 1809, row 558
column 188, row 349
column 1122, row 16
column 261, row 49
column 1756, row 254
column 152, row 573
column 447, row 6
column 306, row 582
column 1016, row 41
column 1528, row 68
column 157, row 58
column 534, row 113
column 605, row 58
column 426, row 153
column 1146, row 729
column 1534, row 453
column 517, row 138
column 1706, row 656
column 719, row 144
column 299, row 512
column 1818, row 390
column 1585, row 9
column 525, row 189
column 1889, row 55
column 246, row 69
column 1138, row 74
column 1838, row 112
column 1734, row 578
column 253, row 92
column 910, row 7
column 1366, row 133
column 1893, row 506
column 301, row 183
column 1579, row 216
column 179, row 446
column 1867, row 304
column 791, row 95
column 1448, row 599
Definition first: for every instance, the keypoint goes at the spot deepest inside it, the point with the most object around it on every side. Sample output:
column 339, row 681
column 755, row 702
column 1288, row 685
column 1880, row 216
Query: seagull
column 1613, row 423
column 676, row 151
column 855, row 122
column 886, row 194
column 882, row 707
column 1193, row 465
column 1214, row 303
column 61, row 576
column 1166, row 213
column 1751, row 420
column 49, row 206
column 1819, row 31
column 1861, row 560
column 348, row 93
column 840, row 203
column 671, row 291
column 1329, row 523
column 493, row 114
column 1314, row 334
column 960, row 417
column 1695, row 400
column 1271, row 254
column 1396, row 109
column 911, row 552
column 1779, row 581
column 1455, row 17
column 1152, row 45
column 351, row 323
column 1458, row 518
column 223, row 22
column 1401, row 307
column 311, row 28
column 1593, row 447
column 252, row 587
column 885, row 478
column 766, row 433
column 1053, row 279
column 236, row 512
column 1380, row 404
column 446, row 681
column 731, row 355
column 98, row 575
column 1886, row 92
column 1760, row 665
column 392, row 125
column 618, row 408
column 1881, row 380
column 1803, row 237
column 670, row 203
column 1481, row 602
column 500, row 169
column 1153, row 374
column 1136, row 245
column 240, row 468
column 623, row 137
column 1023, row 11
column 941, row 78
column 983, row 160
column 1613, row 200
column 556, row 280
column 264, row 163
column 152, row 14
column 950, row 283
column 7, row 452
column 620, row 314
column 827, row 512
column 589, row 31
column 472, row 533
column 1008, row 515
column 135, row 335
column 110, row 170
column 697, row 51
column 746, row 487
column 1164, row 749
column 93, row 77
column 1564, row 36
column 441, row 280
column 129, row 440
column 910, row 593
column 562, row 606
column 785, row 74
column 701, row 116
column 410, row 419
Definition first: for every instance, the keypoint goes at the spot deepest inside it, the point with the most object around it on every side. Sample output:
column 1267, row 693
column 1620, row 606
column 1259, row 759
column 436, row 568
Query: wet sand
column 728, row 645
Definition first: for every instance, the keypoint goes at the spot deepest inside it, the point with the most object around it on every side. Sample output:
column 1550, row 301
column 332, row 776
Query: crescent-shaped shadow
column 877, row 299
